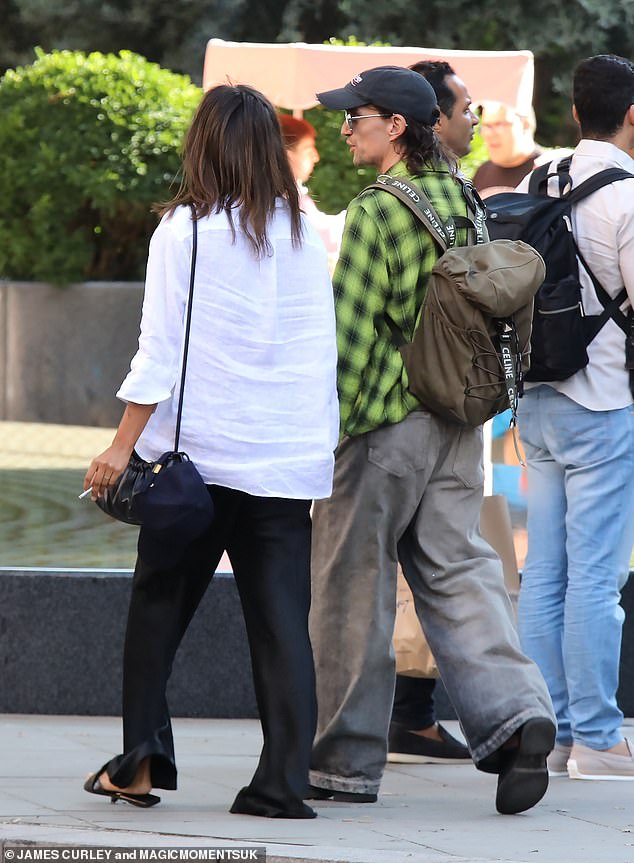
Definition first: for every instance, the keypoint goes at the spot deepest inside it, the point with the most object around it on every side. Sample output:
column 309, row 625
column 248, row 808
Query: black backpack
column 561, row 332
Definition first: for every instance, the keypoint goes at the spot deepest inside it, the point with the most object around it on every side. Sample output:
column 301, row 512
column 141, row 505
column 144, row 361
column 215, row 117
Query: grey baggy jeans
column 410, row 492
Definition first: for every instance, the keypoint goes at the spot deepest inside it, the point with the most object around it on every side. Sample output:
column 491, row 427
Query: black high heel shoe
column 93, row 786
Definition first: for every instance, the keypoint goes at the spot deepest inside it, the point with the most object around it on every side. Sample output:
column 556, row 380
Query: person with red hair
column 300, row 141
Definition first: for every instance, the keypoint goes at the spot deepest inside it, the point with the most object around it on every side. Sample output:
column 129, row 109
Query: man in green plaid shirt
column 408, row 486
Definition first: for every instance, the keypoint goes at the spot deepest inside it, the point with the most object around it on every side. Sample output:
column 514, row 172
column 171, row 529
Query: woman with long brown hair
column 259, row 421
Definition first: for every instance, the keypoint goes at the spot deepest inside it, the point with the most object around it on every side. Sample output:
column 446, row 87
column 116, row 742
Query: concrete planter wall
column 61, row 646
column 61, row 639
column 65, row 350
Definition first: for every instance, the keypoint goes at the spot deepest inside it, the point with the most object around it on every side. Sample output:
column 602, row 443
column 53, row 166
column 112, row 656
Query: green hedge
column 87, row 144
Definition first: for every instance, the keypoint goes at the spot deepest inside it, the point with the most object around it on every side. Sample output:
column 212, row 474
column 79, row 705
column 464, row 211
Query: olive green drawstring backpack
column 471, row 345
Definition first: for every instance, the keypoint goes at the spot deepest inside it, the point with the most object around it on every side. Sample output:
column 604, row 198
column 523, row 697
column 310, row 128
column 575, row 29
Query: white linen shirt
column 260, row 411
column 603, row 226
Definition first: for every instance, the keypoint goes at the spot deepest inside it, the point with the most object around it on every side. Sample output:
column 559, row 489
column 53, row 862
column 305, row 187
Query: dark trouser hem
column 268, row 543
column 248, row 802
column 122, row 769
column 414, row 702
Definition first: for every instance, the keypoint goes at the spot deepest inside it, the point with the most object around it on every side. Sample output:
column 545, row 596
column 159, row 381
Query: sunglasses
column 349, row 119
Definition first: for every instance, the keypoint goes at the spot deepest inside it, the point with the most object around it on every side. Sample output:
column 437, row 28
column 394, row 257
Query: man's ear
column 575, row 116
column 397, row 126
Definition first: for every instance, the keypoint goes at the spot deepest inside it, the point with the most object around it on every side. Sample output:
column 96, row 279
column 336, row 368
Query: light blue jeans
column 580, row 537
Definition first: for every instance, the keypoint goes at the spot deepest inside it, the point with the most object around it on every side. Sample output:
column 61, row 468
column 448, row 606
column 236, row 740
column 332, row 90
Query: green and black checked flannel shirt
column 384, row 265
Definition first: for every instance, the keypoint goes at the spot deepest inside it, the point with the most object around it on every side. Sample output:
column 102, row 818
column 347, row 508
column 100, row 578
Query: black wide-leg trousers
column 268, row 543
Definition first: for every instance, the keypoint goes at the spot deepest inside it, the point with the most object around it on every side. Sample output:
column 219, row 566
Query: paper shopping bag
column 413, row 655
column 496, row 528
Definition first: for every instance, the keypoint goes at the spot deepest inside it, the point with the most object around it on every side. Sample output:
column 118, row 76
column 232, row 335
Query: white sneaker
column 557, row 761
column 585, row 763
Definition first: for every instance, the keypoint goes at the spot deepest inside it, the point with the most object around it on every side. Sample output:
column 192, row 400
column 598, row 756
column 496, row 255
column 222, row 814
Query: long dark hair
column 422, row 149
column 234, row 157
column 419, row 145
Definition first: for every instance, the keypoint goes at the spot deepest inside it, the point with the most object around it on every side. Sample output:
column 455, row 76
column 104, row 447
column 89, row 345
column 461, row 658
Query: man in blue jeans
column 578, row 435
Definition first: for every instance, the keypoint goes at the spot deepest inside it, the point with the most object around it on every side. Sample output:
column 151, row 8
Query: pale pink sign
column 290, row 74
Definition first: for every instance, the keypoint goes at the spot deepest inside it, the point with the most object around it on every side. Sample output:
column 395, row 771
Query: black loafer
column 407, row 747
column 523, row 777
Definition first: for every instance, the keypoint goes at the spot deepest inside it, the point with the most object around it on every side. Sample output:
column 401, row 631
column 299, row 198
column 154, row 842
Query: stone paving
column 425, row 813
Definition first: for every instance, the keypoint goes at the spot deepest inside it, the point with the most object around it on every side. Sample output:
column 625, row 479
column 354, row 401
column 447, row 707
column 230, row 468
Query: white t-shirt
column 329, row 227
column 603, row 226
column 260, row 411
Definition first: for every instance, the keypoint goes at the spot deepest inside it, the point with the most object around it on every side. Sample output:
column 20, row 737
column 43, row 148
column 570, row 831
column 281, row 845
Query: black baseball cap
column 391, row 87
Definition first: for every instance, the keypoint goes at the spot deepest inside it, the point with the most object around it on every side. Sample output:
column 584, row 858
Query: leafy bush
column 87, row 144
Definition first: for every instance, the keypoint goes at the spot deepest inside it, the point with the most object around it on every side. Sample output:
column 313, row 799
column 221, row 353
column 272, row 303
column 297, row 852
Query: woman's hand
column 105, row 469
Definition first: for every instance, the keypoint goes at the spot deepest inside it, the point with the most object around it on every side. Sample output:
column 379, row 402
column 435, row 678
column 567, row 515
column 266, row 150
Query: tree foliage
column 125, row 172
column 175, row 34
column 558, row 34
column 172, row 34
column 87, row 144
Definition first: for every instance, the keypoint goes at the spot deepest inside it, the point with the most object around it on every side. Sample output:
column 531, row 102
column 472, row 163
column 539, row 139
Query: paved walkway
column 425, row 813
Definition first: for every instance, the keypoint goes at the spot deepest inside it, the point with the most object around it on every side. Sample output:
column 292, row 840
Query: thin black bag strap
column 539, row 180
column 611, row 305
column 398, row 338
column 188, row 322
column 596, row 182
column 539, row 177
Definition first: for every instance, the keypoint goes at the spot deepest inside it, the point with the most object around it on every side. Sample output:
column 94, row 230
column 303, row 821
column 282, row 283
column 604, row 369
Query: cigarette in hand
column 84, row 493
